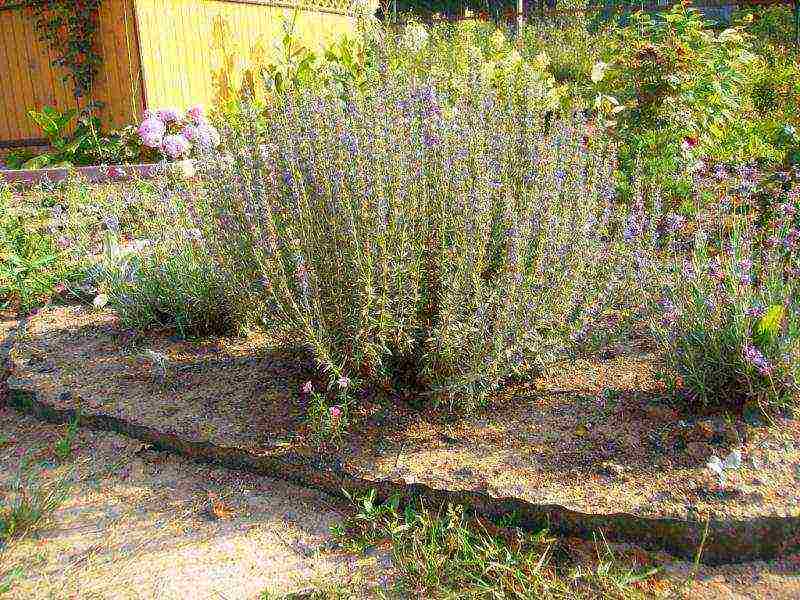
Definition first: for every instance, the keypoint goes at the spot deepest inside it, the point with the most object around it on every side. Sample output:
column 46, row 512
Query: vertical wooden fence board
column 193, row 50
column 30, row 81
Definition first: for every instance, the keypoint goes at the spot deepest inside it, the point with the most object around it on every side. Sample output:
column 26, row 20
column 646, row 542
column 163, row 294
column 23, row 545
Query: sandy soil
column 594, row 436
column 140, row 524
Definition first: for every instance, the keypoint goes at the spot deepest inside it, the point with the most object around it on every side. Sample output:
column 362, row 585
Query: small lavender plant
column 728, row 331
column 422, row 244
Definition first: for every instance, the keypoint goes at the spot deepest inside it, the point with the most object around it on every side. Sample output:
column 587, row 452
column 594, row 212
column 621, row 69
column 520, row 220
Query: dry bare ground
column 142, row 524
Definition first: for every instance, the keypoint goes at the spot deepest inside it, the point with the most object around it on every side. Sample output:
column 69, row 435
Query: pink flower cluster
column 175, row 134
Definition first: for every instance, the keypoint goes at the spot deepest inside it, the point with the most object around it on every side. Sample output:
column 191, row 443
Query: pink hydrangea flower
column 336, row 413
column 207, row 136
column 152, row 132
column 189, row 131
column 307, row 388
column 203, row 135
column 169, row 115
column 175, row 146
column 196, row 114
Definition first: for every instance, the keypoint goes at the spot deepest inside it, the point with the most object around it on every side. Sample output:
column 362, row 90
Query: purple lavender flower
column 790, row 243
column 675, row 222
column 754, row 311
column 745, row 275
column 715, row 269
column 630, row 232
column 754, row 356
column 788, row 209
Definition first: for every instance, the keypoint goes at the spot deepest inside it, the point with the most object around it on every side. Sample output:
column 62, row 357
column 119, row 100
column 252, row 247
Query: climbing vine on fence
column 70, row 28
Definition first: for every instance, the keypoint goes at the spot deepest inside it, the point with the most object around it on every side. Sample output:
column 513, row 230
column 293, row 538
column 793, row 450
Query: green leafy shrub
column 670, row 83
column 76, row 144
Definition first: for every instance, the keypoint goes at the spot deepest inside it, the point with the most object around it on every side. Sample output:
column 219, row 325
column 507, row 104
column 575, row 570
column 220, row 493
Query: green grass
column 31, row 500
column 449, row 554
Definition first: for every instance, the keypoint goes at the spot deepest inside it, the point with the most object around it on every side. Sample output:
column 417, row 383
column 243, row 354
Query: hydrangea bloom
column 175, row 146
column 169, row 115
column 152, row 132
column 336, row 413
column 203, row 135
column 196, row 114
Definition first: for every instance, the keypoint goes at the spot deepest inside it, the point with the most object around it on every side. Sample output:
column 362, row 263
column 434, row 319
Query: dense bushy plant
column 150, row 263
column 420, row 242
column 729, row 332
column 673, row 79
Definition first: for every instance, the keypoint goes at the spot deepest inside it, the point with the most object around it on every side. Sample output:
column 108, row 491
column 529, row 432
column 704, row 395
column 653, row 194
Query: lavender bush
column 142, row 255
column 424, row 246
column 729, row 331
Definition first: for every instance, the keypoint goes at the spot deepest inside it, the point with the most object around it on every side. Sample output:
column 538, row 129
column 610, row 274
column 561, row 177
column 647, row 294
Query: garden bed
column 96, row 173
column 594, row 440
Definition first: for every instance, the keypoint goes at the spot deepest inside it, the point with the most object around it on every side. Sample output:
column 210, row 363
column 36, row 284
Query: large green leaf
column 38, row 162
column 768, row 326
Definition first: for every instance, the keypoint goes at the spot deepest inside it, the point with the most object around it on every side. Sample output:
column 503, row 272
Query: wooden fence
column 30, row 80
column 155, row 53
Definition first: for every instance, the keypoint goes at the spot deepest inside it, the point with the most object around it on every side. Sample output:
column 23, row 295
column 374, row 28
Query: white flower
column 719, row 467
column 100, row 300
column 415, row 37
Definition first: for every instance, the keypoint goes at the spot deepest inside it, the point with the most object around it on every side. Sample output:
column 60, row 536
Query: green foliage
column 726, row 335
column 402, row 253
column 146, row 252
column 31, row 500
column 667, row 80
column 63, row 446
column 327, row 423
column 451, row 554
column 81, row 145
column 31, row 263
column 70, row 28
